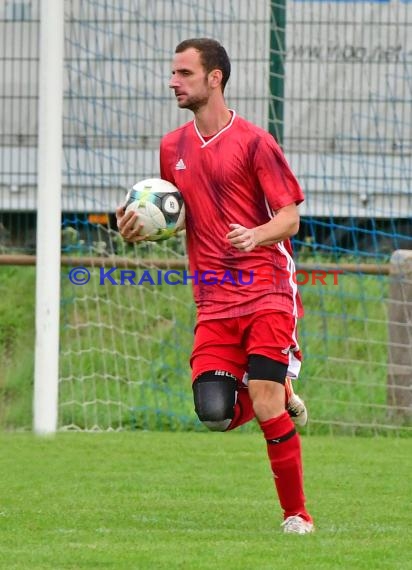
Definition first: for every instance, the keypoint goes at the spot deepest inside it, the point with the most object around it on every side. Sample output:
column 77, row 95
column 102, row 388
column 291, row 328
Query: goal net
column 333, row 82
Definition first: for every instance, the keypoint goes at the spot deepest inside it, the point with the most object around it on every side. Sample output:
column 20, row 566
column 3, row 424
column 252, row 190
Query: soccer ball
column 160, row 207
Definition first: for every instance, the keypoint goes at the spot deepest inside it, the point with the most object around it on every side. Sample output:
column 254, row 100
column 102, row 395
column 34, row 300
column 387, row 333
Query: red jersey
column 239, row 175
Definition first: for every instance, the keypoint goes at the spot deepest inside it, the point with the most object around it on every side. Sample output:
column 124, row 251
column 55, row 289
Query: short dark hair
column 212, row 55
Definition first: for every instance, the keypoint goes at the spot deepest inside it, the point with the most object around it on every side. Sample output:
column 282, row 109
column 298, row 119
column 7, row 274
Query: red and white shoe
column 295, row 406
column 297, row 525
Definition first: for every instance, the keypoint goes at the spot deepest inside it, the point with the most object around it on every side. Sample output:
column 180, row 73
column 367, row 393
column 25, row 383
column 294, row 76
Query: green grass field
column 194, row 501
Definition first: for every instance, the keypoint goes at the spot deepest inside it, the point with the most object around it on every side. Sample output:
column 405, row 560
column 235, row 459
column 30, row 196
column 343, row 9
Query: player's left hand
column 242, row 238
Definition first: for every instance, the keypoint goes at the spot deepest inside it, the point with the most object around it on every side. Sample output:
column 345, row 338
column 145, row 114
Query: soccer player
column 241, row 209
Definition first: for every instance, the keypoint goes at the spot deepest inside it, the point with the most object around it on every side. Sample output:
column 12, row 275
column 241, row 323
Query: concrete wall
column 348, row 88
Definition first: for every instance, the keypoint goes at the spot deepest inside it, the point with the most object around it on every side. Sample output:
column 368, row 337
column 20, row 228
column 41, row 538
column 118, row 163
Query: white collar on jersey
column 204, row 143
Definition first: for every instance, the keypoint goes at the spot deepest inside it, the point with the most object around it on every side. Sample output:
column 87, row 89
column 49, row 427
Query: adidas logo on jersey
column 180, row 165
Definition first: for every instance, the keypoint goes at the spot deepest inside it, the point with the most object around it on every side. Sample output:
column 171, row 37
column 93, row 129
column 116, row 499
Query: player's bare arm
column 126, row 224
column 283, row 226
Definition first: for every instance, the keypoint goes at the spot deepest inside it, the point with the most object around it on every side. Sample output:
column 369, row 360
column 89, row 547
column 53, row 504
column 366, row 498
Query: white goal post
column 50, row 117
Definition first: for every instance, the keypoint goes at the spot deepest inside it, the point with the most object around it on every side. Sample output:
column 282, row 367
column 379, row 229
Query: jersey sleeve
column 166, row 171
column 275, row 177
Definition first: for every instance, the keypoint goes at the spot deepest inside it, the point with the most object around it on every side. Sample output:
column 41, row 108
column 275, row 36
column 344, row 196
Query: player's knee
column 268, row 398
column 214, row 395
column 221, row 425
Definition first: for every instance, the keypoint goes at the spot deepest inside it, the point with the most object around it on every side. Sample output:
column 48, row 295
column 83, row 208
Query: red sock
column 284, row 453
column 243, row 409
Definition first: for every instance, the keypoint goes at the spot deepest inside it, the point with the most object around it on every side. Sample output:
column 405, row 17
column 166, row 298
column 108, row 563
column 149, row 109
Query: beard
column 193, row 103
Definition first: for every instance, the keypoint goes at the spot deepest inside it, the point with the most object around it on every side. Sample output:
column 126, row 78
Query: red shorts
column 225, row 344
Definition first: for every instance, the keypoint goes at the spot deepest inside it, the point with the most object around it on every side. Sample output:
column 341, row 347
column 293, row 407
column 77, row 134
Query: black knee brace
column 264, row 368
column 214, row 395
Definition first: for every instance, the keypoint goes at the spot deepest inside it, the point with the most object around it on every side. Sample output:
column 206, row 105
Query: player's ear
column 215, row 78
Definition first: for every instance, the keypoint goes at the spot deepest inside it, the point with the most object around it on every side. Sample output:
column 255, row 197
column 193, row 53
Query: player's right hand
column 128, row 228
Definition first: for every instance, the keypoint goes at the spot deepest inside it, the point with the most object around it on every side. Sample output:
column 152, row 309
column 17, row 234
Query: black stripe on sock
column 282, row 438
